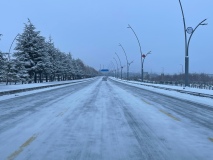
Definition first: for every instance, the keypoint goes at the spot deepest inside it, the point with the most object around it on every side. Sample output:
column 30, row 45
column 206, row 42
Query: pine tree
column 31, row 51
column 21, row 73
column 80, row 68
column 70, row 68
column 2, row 66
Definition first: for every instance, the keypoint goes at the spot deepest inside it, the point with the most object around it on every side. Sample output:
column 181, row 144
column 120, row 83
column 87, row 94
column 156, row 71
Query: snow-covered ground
column 203, row 100
column 205, row 91
column 104, row 120
column 4, row 87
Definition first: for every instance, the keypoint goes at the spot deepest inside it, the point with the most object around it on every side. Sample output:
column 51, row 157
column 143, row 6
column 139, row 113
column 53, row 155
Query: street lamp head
column 189, row 30
column 204, row 24
column 129, row 26
column 144, row 55
column 149, row 52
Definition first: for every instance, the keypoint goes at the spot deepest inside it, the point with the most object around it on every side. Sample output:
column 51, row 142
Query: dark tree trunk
column 35, row 78
column 46, row 77
column 40, row 77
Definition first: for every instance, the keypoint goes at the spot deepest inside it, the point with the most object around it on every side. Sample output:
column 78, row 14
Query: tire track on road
column 151, row 146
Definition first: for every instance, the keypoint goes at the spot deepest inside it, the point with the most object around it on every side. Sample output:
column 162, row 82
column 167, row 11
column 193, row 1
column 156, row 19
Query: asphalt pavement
column 98, row 120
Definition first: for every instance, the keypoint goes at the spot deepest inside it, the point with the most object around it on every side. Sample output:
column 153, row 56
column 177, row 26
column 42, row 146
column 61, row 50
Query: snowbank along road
column 106, row 120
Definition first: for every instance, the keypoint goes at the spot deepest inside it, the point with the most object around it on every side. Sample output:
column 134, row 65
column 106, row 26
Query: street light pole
column 9, row 62
column 199, row 24
column 190, row 31
column 114, row 68
column 117, row 66
column 143, row 58
column 128, row 64
column 120, row 64
column 12, row 45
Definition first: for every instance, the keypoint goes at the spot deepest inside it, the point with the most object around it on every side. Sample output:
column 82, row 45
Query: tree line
column 36, row 60
column 194, row 78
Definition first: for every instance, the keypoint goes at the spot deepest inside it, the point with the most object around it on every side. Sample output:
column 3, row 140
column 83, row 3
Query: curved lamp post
column 117, row 67
column 12, row 45
column 127, row 62
column 142, row 58
column 9, row 62
column 190, row 31
column 120, row 64
column 113, row 68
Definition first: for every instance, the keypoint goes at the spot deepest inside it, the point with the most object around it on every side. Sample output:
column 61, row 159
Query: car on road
column 104, row 78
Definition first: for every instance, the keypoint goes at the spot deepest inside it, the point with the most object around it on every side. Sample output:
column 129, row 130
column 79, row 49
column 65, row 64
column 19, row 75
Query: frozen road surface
column 104, row 120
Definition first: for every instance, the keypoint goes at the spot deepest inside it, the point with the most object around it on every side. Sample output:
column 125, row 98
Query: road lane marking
column 170, row 115
column 21, row 148
column 135, row 95
column 143, row 100
column 146, row 102
column 211, row 139
column 62, row 113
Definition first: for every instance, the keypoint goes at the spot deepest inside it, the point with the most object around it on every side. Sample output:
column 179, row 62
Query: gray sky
column 92, row 29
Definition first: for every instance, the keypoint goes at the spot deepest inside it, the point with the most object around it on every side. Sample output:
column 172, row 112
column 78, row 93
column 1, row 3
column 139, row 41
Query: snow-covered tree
column 31, row 51
column 36, row 59
column 21, row 73
column 81, row 68
column 2, row 66
column 69, row 66
column 50, row 69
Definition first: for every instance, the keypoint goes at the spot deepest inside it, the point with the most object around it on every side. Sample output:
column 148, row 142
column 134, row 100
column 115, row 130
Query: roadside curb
column 177, row 90
column 36, row 88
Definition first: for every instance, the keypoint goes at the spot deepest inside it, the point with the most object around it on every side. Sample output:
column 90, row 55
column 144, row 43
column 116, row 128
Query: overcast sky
column 92, row 29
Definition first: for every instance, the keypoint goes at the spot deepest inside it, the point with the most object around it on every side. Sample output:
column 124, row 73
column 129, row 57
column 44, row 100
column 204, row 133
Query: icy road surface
column 106, row 120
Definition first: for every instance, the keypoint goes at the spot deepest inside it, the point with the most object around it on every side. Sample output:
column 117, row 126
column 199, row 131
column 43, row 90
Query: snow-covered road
column 104, row 120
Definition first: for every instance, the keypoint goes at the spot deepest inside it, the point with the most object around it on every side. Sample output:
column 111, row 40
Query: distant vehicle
column 104, row 78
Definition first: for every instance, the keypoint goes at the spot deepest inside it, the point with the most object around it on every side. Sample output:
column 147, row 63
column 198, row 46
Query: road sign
column 104, row 70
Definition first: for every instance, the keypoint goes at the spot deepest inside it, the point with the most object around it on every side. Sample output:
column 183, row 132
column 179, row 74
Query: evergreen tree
column 34, row 57
column 70, row 67
column 50, row 66
column 31, row 51
column 81, row 68
column 2, row 67
column 21, row 73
